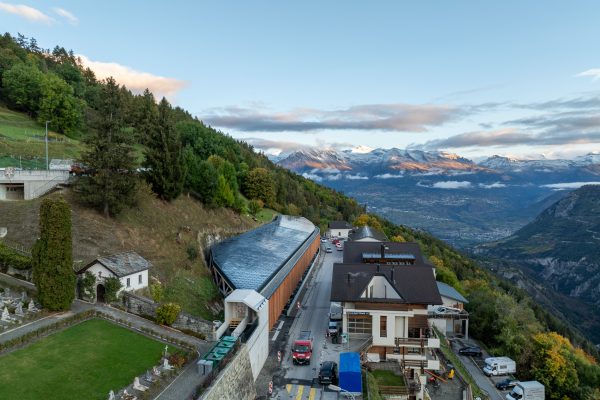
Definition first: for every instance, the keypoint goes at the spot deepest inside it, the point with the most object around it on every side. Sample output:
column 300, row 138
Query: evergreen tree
column 201, row 179
column 52, row 256
column 164, row 155
column 111, row 185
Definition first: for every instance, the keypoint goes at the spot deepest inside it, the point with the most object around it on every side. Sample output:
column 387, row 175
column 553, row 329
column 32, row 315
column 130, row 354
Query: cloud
column 366, row 117
column 355, row 177
column 495, row 185
column 29, row 13
column 136, row 81
column 594, row 73
column 569, row 185
column 267, row 144
column 72, row 19
column 448, row 185
column 388, row 176
column 335, row 177
column 312, row 177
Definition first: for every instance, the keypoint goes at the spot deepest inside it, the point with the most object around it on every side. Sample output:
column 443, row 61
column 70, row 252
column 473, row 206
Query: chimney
column 382, row 251
column 393, row 275
column 378, row 265
column 348, row 277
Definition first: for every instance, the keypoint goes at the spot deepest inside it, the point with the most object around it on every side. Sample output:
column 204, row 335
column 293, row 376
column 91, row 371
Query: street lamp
column 47, row 165
column 339, row 389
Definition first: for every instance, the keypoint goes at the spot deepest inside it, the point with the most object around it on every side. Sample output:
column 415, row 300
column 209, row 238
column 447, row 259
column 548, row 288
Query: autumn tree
column 52, row 256
column 553, row 366
column 259, row 184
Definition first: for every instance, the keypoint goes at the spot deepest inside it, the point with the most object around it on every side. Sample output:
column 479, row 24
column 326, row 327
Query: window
column 99, row 274
column 413, row 350
column 383, row 326
column 360, row 324
column 140, row 279
column 128, row 282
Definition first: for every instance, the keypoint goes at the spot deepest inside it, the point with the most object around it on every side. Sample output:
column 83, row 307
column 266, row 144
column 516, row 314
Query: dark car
column 472, row 351
column 506, row 384
column 328, row 374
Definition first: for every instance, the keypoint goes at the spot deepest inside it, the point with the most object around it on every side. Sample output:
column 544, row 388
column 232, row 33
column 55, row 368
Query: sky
column 518, row 78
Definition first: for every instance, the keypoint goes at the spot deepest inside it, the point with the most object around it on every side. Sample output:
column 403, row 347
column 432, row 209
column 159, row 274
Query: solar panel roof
column 250, row 260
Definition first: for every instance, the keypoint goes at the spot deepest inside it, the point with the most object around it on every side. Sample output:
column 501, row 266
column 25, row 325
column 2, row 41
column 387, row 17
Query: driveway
column 473, row 365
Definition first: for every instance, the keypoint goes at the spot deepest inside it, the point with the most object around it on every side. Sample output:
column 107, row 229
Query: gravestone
column 19, row 310
column 6, row 315
column 111, row 395
column 23, row 296
column 138, row 386
column 31, row 307
column 166, row 365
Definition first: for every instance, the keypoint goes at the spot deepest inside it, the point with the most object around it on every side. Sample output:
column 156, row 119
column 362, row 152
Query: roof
column 121, row 264
column 254, row 259
column 353, row 251
column 349, row 362
column 339, row 225
column 415, row 284
column 448, row 291
column 367, row 232
column 249, row 297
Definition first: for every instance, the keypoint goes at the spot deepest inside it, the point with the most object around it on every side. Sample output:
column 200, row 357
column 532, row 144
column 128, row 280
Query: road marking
column 300, row 391
column 288, row 387
column 280, row 325
column 311, row 395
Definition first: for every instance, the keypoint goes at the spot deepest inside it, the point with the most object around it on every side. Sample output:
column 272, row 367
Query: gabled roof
column 451, row 293
column 339, row 225
column 255, row 259
column 249, row 297
column 121, row 264
column 367, row 232
column 415, row 284
column 353, row 251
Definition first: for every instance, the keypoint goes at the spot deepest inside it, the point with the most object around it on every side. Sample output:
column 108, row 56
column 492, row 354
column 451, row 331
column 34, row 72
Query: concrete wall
column 142, row 306
column 36, row 183
column 235, row 381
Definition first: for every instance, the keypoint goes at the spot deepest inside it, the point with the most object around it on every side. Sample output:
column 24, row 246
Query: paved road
column 476, row 372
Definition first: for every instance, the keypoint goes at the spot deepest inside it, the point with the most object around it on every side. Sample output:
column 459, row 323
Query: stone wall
column 235, row 381
column 145, row 307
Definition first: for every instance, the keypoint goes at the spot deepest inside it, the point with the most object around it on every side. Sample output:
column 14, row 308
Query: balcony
column 419, row 337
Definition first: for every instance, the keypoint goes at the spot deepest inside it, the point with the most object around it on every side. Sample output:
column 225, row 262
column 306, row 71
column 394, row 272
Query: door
column 100, row 294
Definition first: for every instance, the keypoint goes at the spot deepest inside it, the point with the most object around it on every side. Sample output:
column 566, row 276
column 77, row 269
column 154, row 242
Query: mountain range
column 459, row 200
column 560, row 249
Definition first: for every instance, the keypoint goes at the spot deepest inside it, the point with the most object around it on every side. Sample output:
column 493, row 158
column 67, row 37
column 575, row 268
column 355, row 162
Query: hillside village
column 189, row 266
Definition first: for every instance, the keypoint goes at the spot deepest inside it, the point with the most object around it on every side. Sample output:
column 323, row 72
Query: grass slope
column 22, row 142
column 160, row 232
column 85, row 361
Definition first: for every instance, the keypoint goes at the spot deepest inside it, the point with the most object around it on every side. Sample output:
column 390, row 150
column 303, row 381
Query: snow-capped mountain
column 501, row 163
column 371, row 162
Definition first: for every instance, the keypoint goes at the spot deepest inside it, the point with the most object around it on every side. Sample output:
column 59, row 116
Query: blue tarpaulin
column 350, row 375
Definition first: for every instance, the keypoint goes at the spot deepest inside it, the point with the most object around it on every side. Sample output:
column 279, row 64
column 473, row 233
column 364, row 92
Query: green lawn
column 85, row 361
column 387, row 378
column 265, row 215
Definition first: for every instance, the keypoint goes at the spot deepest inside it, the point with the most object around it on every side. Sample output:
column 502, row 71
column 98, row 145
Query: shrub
column 10, row 258
column 254, row 206
column 112, row 286
column 177, row 359
column 87, row 285
column 192, row 252
column 156, row 290
column 167, row 313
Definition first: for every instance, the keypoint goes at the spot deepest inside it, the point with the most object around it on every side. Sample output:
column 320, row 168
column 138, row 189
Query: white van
column 499, row 366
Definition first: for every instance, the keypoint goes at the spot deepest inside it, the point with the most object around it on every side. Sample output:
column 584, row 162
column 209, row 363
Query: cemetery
column 16, row 308
column 94, row 359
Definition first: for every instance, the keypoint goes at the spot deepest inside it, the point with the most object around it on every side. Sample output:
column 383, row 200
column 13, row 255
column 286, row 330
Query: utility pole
column 47, row 165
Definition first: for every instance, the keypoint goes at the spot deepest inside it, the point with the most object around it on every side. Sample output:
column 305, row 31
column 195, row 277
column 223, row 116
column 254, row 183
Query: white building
column 130, row 268
column 340, row 229
column 385, row 308
column 17, row 184
column 247, row 315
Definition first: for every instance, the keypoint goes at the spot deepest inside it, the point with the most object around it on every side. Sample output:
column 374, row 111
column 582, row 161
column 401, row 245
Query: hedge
column 10, row 258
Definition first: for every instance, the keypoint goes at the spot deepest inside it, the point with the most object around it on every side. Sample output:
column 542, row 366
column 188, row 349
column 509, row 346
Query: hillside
column 559, row 250
column 562, row 245
column 160, row 232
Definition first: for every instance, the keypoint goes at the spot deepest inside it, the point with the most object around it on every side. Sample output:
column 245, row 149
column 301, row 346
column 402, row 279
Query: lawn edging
column 37, row 334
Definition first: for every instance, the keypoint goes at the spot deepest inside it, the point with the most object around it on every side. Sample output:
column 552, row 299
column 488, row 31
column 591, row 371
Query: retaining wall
column 235, row 381
column 145, row 307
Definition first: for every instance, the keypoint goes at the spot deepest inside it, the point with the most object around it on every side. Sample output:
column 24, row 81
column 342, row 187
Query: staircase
column 234, row 324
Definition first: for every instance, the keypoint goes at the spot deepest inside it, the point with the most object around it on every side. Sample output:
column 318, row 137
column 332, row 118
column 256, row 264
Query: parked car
column 472, row 351
column 332, row 328
column 445, row 310
column 506, row 384
column 328, row 374
column 323, row 240
column 328, row 250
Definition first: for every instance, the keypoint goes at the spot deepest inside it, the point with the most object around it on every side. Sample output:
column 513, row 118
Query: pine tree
column 164, row 155
column 111, row 185
column 52, row 256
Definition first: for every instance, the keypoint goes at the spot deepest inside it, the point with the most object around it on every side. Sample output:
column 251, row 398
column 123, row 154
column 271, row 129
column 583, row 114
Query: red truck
column 302, row 348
